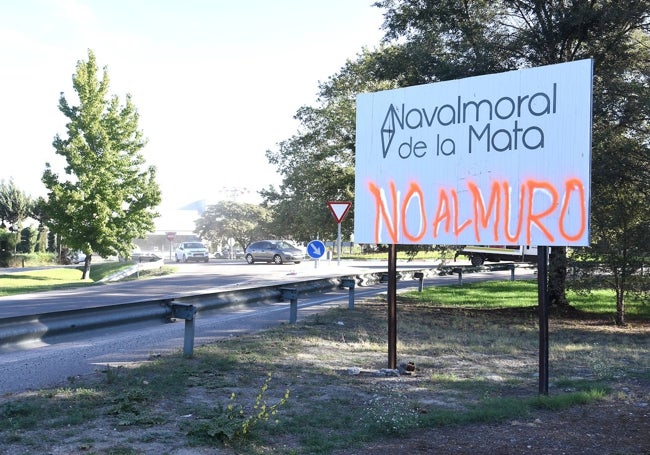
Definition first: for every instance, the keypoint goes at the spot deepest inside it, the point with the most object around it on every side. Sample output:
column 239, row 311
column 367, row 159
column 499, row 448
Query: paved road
column 189, row 278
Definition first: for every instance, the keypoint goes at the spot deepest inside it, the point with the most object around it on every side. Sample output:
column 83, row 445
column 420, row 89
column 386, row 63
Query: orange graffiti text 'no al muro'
column 495, row 216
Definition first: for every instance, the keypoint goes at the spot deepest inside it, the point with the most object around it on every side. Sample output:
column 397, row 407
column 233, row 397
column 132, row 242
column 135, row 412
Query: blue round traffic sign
column 316, row 249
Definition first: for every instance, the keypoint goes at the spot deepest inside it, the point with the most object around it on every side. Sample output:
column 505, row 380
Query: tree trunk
column 620, row 306
column 86, row 272
column 620, row 283
column 557, row 272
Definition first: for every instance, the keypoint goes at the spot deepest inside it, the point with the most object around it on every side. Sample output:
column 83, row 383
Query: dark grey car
column 277, row 251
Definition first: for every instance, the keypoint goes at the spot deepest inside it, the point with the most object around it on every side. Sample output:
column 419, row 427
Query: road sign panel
column 339, row 209
column 316, row 249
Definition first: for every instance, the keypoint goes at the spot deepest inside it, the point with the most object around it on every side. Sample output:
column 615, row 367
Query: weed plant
column 232, row 423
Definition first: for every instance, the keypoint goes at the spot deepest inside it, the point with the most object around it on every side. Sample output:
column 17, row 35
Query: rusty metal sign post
column 392, row 306
column 542, row 302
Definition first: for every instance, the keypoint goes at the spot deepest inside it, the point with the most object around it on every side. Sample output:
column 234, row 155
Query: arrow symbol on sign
column 315, row 250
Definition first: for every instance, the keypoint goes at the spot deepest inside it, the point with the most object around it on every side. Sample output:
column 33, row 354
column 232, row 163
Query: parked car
column 277, row 251
column 225, row 254
column 78, row 257
column 192, row 251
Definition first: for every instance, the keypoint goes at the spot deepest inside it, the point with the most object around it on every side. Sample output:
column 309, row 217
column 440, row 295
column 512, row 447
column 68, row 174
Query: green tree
column 619, row 252
column 446, row 39
column 15, row 207
column 449, row 39
column 52, row 242
column 28, row 240
column 108, row 195
column 243, row 222
column 435, row 40
column 317, row 164
column 615, row 35
column 43, row 233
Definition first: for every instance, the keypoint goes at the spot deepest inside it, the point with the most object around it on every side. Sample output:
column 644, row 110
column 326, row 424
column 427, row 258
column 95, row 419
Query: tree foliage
column 15, row 204
column 317, row 164
column 241, row 221
column 15, row 207
column 428, row 41
column 448, row 39
column 458, row 38
column 108, row 195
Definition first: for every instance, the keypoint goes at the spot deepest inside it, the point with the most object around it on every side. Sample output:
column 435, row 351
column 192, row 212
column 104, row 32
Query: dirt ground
column 618, row 426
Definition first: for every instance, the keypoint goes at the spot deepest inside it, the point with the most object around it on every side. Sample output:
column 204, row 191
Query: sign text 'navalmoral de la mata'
column 501, row 159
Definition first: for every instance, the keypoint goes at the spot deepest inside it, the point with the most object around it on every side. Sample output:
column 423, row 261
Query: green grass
column 491, row 294
column 494, row 410
column 55, row 278
column 518, row 294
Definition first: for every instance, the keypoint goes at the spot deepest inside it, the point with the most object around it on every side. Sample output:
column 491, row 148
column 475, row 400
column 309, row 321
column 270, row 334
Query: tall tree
column 615, row 35
column 243, row 222
column 15, row 207
column 15, row 204
column 317, row 164
column 43, row 233
column 437, row 40
column 108, row 195
column 612, row 33
column 458, row 38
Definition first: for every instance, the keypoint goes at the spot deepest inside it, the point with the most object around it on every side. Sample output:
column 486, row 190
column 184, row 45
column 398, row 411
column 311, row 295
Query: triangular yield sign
column 339, row 209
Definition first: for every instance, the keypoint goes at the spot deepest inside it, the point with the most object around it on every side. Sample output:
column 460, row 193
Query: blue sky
column 216, row 82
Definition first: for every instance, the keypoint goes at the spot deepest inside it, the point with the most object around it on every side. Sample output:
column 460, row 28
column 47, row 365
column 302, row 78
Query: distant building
column 179, row 222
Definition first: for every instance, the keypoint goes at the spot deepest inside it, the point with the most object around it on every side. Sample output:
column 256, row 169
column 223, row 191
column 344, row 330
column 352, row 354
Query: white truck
column 480, row 254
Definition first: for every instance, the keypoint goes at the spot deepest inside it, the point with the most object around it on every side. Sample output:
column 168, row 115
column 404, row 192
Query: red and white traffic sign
column 339, row 209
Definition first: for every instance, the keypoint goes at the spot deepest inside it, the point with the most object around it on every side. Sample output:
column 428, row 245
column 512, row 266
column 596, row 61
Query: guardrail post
column 349, row 283
column 459, row 271
column 512, row 272
column 291, row 294
column 419, row 276
column 186, row 311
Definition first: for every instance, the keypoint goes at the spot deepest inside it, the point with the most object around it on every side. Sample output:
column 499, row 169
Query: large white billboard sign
column 502, row 159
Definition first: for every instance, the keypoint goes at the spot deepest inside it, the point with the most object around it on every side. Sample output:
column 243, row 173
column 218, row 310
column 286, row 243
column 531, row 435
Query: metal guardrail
column 38, row 326
column 144, row 263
